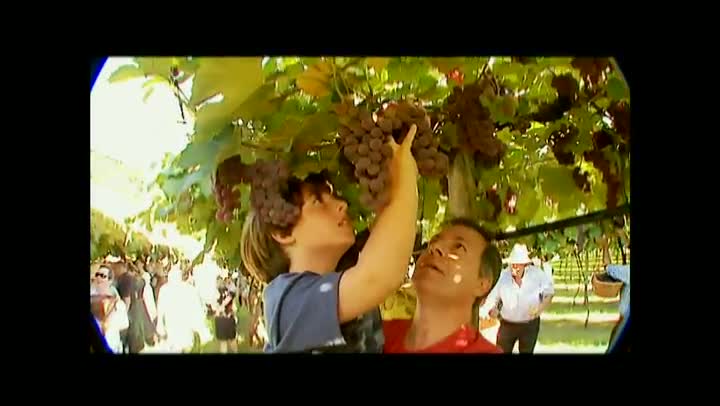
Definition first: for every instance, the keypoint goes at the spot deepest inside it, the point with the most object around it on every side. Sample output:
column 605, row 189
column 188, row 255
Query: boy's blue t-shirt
column 301, row 315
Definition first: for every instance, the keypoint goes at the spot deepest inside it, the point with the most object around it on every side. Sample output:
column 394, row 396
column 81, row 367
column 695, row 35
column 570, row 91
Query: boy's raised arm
column 383, row 262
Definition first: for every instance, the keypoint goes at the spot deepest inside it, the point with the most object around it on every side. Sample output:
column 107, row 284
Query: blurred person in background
column 180, row 314
column 225, row 322
column 523, row 292
column 110, row 315
column 103, row 277
column 621, row 273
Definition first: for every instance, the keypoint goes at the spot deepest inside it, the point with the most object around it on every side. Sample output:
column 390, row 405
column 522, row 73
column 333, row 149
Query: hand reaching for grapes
column 403, row 167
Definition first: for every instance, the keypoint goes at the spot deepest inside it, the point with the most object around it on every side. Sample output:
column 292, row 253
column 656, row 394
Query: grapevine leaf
column 431, row 194
column 407, row 70
column 204, row 153
column 282, row 139
column 315, row 81
column 235, row 78
column 261, row 103
column 156, row 66
column 378, row 63
column 125, row 73
column 244, row 197
column 445, row 65
column 147, row 94
column 556, row 181
column 616, row 89
column 527, row 204
column 318, row 127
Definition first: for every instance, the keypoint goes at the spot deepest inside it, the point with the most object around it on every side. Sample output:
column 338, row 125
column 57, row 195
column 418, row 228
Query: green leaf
column 244, row 197
column 270, row 67
column 523, row 106
column 204, row 153
column 378, row 63
column 147, row 94
column 210, row 119
column 527, row 204
column 174, row 187
column 316, row 128
column 125, row 73
column 616, row 89
column 584, row 121
column 505, row 135
column 431, row 193
column 261, row 103
column 282, row 139
column 406, row 69
column 157, row 66
column 236, row 147
column 235, row 78
column 448, row 135
column 571, row 233
column 445, row 65
column 206, row 187
column 556, row 181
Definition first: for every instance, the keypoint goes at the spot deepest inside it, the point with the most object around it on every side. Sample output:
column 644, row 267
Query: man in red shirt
column 457, row 270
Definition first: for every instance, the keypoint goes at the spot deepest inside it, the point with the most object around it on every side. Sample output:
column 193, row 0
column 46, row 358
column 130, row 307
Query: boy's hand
column 403, row 165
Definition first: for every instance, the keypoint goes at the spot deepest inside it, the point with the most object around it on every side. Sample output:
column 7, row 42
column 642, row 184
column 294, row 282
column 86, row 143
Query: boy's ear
column 283, row 239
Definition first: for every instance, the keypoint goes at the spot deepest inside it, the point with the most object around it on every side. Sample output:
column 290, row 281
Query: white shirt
column 117, row 321
column 518, row 301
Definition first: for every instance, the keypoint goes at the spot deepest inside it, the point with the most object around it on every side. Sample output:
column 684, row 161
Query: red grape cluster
column 560, row 140
column 493, row 197
column 364, row 145
column 567, row 89
column 431, row 162
column 591, row 68
column 227, row 201
column 581, row 179
column 596, row 156
column 268, row 178
column 620, row 113
column 229, row 173
column 475, row 127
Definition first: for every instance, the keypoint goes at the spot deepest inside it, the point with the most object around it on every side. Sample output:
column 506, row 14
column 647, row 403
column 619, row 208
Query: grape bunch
column 229, row 173
column 268, row 180
column 620, row 113
column 567, row 89
column 475, row 127
column 596, row 156
column 364, row 146
column 591, row 68
column 431, row 162
column 560, row 140
column 581, row 179
column 227, row 201
column 492, row 196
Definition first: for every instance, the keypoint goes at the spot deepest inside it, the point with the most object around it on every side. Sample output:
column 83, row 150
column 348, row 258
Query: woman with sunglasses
column 103, row 277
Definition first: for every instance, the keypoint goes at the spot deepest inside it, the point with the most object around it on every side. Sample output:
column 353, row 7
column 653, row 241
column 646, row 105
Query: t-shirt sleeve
column 620, row 272
column 307, row 318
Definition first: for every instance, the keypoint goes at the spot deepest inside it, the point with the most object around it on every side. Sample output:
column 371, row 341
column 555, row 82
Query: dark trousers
column 526, row 333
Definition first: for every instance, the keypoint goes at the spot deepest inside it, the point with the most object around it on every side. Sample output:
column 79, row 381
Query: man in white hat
column 522, row 293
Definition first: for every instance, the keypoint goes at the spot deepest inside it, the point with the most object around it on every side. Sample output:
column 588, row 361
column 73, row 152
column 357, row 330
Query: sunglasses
column 101, row 275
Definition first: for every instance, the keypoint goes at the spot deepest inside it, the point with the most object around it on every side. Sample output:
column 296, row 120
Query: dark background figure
column 225, row 323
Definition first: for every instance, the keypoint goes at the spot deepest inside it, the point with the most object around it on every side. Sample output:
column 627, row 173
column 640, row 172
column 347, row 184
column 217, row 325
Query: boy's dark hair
column 261, row 255
column 490, row 260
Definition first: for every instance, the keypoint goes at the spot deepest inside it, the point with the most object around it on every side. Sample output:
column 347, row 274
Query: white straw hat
column 519, row 255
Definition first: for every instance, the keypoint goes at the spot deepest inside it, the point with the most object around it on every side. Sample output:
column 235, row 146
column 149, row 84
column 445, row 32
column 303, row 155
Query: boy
column 308, row 305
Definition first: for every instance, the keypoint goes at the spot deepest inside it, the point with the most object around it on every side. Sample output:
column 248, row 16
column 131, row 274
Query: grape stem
column 335, row 78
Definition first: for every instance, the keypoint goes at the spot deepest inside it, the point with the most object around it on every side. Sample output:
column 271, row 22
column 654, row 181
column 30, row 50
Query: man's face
column 518, row 270
column 450, row 266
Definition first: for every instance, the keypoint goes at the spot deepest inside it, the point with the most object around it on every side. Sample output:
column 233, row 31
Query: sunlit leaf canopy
column 281, row 107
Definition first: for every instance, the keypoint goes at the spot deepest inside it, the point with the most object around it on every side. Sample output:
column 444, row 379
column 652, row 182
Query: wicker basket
column 605, row 289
